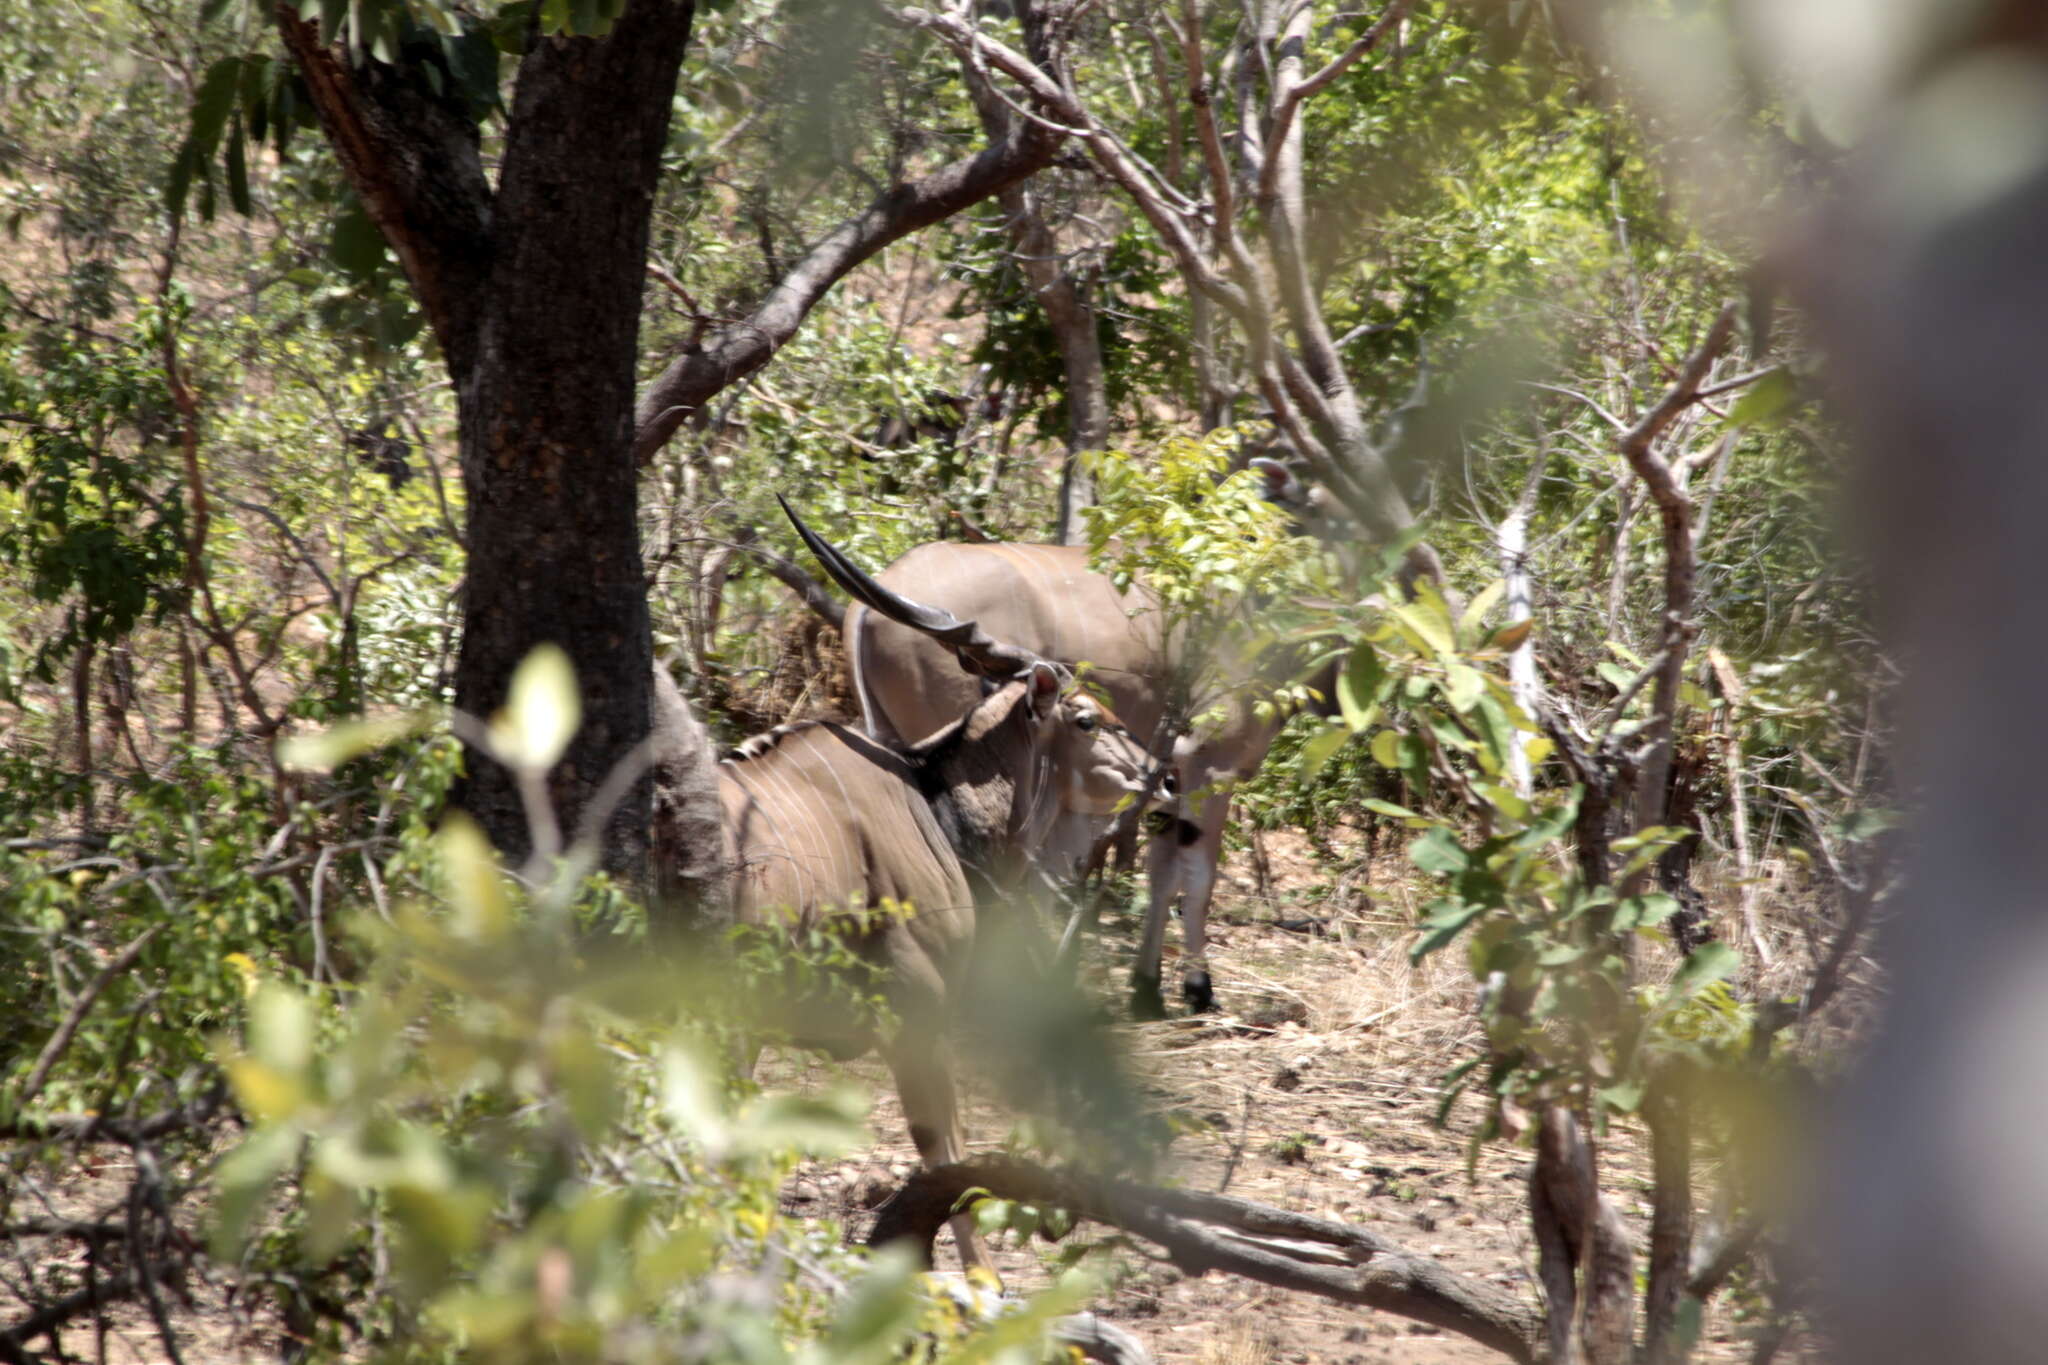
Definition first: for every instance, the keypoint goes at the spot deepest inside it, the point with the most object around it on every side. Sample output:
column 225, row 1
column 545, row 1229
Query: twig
column 148, row 1191
column 61, row 1039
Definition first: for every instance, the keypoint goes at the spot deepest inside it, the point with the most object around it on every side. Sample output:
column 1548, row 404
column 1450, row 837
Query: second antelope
column 816, row 820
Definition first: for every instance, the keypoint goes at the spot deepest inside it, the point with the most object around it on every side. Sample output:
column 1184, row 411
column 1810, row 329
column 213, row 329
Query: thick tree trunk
column 533, row 291
column 534, row 294
column 547, row 411
column 1583, row 1254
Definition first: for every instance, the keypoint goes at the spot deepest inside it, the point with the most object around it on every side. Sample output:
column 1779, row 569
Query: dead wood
column 1204, row 1232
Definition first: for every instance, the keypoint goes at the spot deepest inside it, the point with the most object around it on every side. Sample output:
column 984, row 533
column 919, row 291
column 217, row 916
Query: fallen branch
column 1204, row 1232
column 65, row 1227
column 97, row 1127
column 49, row 1318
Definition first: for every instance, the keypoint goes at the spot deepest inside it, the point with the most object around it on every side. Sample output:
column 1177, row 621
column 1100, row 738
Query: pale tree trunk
column 1511, row 546
column 1061, row 294
column 1270, row 297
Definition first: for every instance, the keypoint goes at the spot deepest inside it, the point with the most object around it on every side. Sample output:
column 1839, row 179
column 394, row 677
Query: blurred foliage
column 537, row 1140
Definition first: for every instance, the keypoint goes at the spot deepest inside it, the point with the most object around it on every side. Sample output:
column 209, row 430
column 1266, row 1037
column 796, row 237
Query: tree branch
column 1204, row 1232
column 413, row 160
column 1296, row 93
column 128, row 1132
column 1683, row 393
column 734, row 351
column 1664, row 480
column 61, row 1039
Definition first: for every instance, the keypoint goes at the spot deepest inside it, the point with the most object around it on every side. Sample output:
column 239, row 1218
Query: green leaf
column 238, row 170
column 1358, row 686
column 1647, row 911
column 281, row 1028
column 1449, row 733
column 1705, row 964
column 178, row 183
column 1503, row 799
column 1430, row 629
column 693, row 1099
column 1446, row 920
column 1462, row 686
column 1475, row 612
column 1496, row 731
column 475, row 887
column 1623, row 1097
column 879, row 1312
column 1386, row 749
column 541, row 714
column 217, row 91
column 1767, row 399
column 1373, row 803
column 243, row 1177
column 816, row 1125
column 253, row 90
column 1319, row 748
column 354, row 243
column 1438, row 851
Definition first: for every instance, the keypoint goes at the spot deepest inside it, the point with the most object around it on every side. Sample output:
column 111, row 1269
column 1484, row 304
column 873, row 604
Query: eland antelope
column 1051, row 604
column 819, row 821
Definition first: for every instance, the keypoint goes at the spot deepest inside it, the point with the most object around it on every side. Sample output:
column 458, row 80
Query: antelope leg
column 917, row 1058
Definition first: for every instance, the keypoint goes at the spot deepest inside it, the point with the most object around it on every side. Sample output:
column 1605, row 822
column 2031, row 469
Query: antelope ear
column 1044, row 689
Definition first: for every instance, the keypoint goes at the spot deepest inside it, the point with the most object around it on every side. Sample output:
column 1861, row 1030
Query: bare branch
column 1605, row 415
column 128, row 1132
column 736, row 350
column 1291, row 98
column 1204, row 1232
column 1683, row 393
column 61, row 1039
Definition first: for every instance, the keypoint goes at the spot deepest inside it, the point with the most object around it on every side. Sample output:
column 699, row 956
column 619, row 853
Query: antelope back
column 822, row 818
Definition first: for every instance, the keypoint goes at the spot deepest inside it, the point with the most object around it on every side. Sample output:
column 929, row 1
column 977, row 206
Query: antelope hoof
column 1194, row 989
column 1146, row 1001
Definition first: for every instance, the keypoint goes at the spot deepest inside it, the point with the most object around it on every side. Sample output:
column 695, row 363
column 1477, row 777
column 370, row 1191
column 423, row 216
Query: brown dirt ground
column 1328, row 1111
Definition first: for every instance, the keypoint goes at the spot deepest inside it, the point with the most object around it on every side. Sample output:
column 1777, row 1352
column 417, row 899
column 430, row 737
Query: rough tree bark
column 533, row 290
column 1582, row 1247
